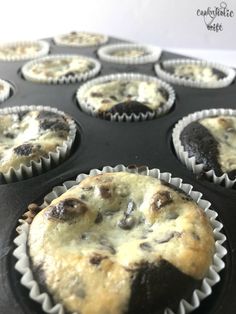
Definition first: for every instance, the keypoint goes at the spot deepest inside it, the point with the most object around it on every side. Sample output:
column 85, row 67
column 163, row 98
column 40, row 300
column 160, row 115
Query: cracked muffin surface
column 121, row 243
column 29, row 135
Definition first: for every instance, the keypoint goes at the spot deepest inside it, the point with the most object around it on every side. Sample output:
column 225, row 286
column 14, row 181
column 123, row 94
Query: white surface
column 160, row 22
column 226, row 57
column 165, row 23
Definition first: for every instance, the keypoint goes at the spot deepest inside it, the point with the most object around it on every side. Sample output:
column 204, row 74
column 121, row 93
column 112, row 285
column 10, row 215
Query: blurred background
column 170, row 24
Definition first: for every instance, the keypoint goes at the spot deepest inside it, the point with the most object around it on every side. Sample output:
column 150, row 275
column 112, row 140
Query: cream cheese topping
column 223, row 129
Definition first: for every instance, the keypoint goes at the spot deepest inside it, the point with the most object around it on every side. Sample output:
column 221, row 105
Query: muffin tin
column 99, row 143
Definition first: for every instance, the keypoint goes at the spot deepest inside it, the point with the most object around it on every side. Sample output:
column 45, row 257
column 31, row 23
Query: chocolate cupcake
column 5, row 89
column 129, row 53
column 117, row 233
column 33, row 138
column 205, row 142
column 80, row 39
column 23, row 50
column 125, row 97
column 61, row 69
column 195, row 73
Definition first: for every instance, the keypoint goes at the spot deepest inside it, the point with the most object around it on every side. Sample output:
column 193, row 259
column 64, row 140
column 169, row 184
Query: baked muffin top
column 56, row 67
column 129, row 52
column 95, row 244
column 125, row 96
column 81, row 39
column 196, row 72
column 30, row 135
column 23, row 50
column 212, row 140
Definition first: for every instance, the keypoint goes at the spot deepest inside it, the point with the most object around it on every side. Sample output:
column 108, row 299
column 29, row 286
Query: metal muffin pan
column 101, row 143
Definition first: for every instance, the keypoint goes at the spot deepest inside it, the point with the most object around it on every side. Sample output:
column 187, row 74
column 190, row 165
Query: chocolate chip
column 126, row 223
column 105, row 101
column 161, row 199
column 107, row 245
column 145, row 246
column 24, row 149
column 99, row 218
column 53, row 125
column 129, row 107
column 69, row 74
column 96, row 94
column 113, row 97
column 109, row 212
column 167, row 237
column 85, row 236
column 195, row 236
column 90, row 66
column 218, row 73
column 66, row 210
column 163, row 93
column 22, row 114
column 40, row 274
column 34, row 208
column 83, row 197
column 87, row 188
column 105, row 191
column 9, row 135
column 96, row 259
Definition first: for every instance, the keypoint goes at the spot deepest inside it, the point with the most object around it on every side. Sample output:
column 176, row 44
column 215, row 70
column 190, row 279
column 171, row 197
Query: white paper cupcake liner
column 5, row 93
column 44, row 50
column 58, row 40
column 86, row 107
column 33, row 168
column 153, row 54
column 190, row 162
column 212, row 277
column 162, row 72
column 63, row 79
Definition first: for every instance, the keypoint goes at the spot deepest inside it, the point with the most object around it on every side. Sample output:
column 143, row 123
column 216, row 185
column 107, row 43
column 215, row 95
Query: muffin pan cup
column 53, row 158
column 212, row 277
column 190, row 162
column 153, row 54
column 44, row 50
column 162, row 72
column 73, row 78
column 103, row 142
column 86, row 107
